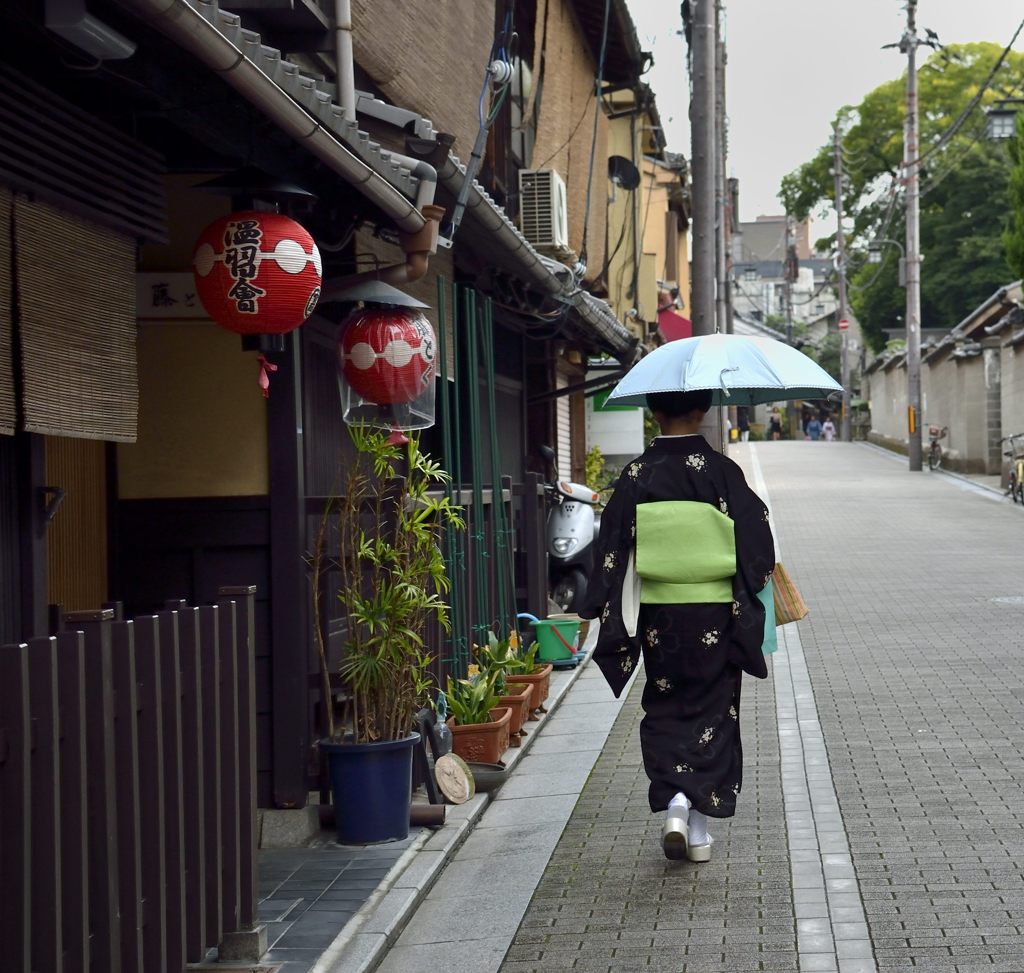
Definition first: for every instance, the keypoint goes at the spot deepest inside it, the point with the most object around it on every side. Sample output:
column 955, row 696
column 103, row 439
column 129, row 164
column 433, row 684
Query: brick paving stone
column 732, row 915
column 919, row 692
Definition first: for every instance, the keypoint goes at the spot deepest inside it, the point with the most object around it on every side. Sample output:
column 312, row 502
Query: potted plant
column 392, row 581
column 494, row 658
column 480, row 727
column 522, row 667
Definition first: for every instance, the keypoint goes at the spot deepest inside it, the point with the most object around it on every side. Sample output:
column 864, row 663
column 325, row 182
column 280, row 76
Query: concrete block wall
column 887, row 393
column 1012, row 387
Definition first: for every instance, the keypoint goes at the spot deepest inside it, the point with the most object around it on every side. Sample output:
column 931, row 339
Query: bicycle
column 1016, row 457
column 934, row 449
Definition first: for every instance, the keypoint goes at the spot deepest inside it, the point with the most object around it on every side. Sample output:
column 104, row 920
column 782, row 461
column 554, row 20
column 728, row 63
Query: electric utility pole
column 790, row 275
column 703, row 152
column 909, row 45
column 722, row 285
column 701, row 16
column 844, row 323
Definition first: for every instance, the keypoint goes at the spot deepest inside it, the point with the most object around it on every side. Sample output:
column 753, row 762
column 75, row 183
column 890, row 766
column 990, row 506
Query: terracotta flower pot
column 518, row 700
column 482, row 742
column 540, row 681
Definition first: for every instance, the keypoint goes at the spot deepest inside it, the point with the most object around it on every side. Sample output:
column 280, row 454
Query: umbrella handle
column 721, row 379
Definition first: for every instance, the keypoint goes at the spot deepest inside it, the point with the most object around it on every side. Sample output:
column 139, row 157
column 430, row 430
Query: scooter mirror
column 549, row 457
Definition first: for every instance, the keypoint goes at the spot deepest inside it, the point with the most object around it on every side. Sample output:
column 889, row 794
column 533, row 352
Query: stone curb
column 363, row 942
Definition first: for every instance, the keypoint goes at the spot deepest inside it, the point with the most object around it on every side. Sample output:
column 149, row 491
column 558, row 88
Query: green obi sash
column 685, row 553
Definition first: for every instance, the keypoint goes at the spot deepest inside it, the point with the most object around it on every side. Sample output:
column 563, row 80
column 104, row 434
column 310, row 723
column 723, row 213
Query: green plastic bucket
column 556, row 638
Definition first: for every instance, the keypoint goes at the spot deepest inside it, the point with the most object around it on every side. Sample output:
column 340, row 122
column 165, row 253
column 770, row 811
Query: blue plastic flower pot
column 372, row 788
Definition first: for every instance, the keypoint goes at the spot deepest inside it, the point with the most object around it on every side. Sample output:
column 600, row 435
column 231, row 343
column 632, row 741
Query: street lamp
column 1001, row 118
column 875, row 256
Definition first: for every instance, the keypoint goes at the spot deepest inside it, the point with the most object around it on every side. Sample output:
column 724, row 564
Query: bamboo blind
column 7, row 400
column 76, row 540
column 76, row 313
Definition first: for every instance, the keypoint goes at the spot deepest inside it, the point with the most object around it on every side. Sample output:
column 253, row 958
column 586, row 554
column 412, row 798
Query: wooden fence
column 128, row 789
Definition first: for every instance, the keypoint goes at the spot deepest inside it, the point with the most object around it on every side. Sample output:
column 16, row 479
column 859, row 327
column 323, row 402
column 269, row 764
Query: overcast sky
column 792, row 64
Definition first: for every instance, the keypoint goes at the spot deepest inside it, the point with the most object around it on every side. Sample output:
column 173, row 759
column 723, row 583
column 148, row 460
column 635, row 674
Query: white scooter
column 572, row 527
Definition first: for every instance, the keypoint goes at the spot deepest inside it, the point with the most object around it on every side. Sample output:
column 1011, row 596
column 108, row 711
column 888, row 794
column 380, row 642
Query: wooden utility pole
column 844, row 323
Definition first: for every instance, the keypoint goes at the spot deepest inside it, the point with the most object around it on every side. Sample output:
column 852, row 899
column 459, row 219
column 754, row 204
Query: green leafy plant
column 471, row 700
column 507, row 656
column 388, row 521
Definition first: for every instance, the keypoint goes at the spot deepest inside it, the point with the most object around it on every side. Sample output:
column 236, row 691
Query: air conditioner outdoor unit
column 543, row 214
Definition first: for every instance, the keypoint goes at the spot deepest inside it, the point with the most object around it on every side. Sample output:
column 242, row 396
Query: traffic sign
column 844, row 325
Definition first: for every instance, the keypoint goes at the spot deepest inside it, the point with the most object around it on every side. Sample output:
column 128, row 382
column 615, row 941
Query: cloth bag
column 789, row 605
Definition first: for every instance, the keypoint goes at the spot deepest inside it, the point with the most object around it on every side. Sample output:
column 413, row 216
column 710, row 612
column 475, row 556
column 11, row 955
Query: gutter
column 218, row 40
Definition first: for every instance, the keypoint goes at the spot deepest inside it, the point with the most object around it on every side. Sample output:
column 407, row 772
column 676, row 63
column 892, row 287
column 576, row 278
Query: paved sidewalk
column 470, row 916
column 881, row 824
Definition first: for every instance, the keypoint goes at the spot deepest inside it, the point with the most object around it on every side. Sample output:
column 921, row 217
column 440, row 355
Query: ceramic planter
column 518, row 700
column 540, row 681
column 482, row 742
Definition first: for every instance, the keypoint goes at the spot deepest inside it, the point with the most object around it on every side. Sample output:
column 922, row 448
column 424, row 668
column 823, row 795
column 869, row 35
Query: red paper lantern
column 257, row 273
column 388, row 354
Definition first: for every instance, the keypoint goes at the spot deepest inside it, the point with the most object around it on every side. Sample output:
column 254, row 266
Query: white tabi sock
column 679, row 801
column 698, row 828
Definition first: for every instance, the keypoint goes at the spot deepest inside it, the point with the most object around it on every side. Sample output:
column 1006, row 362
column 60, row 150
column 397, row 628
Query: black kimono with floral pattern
column 694, row 654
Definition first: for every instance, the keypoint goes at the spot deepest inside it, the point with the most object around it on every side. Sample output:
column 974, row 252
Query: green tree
column 1013, row 238
column 963, row 189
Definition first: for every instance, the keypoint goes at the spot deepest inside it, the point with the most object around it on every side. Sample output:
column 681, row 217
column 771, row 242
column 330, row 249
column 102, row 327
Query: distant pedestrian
column 814, row 429
column 775, row 425
column 743, row 421
column 691, row 606
column 828, row 430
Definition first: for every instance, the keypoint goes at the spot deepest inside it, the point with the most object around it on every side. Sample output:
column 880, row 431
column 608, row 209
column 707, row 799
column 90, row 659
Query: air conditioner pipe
column 185, row 25
column 418, row 247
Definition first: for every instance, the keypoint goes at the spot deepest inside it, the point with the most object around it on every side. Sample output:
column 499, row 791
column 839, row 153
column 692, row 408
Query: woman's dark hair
column 676, row 404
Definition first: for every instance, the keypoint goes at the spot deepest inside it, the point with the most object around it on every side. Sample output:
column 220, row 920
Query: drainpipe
column 343, row 60
column 418, row 247
column 186, row 26
column 423, row 171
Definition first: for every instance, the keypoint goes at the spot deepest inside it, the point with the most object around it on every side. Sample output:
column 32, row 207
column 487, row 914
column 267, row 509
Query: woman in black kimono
column 694, row 654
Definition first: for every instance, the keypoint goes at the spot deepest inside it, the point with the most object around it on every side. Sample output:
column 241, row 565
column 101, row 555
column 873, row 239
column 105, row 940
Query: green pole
column 461, row 642
column 450, row 542
column 481, row 602
column 500, row 526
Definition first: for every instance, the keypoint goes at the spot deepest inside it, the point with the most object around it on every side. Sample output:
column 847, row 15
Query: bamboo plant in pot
column 392, row 585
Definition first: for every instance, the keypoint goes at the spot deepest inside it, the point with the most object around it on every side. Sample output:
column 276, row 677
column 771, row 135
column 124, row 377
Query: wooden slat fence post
column 46, row 902
column 174, row 829
column 15, row 808
column 104, row 917
column 230, row 908
column 126, row 751
column 75, row 810
column 209, row 637
column 150, row 723
column 194, row 782
column 245, row 654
